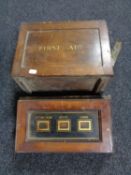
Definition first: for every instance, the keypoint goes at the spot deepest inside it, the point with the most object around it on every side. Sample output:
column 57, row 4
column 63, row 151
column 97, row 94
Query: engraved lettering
column 72, row 47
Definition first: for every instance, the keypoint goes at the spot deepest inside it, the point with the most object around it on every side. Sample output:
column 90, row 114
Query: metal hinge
column 116, row 51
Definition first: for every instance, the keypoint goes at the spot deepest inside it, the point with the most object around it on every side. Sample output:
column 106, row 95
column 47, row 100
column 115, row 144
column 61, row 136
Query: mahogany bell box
column 63, row 125
column 55, row 56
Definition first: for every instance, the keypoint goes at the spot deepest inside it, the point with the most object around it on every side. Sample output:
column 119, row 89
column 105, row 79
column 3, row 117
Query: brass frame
column 80, row 129
column 43, row 129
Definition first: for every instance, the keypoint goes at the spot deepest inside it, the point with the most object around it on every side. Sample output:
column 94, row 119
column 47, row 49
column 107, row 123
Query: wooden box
column 55, row 56
column 64, row 125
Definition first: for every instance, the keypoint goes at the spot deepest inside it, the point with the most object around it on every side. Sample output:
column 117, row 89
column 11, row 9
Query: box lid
column 63, row 49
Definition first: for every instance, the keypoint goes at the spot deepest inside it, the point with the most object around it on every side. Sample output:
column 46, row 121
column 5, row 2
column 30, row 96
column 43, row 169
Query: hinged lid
column 63, row 49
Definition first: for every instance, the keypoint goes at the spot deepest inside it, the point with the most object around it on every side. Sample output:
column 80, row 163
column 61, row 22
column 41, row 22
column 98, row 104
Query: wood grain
column 63, row 51
column 25, row 105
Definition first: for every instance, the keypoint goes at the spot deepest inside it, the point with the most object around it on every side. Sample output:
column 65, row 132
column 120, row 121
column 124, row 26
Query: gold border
column 68, row 121
column 43, row 129
column 84, row 129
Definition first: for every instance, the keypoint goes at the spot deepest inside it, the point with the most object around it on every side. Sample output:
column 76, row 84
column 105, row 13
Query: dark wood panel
column 103, row 144
column 62, row 49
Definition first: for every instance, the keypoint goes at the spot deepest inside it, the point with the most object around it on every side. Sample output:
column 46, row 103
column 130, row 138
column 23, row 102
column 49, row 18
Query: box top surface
column 63, row 49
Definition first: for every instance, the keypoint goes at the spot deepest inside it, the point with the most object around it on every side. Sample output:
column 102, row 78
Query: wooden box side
column 88, row 84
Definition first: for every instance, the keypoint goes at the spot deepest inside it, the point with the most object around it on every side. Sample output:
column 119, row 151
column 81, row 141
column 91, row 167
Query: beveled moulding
column 63, row 125
column 55, row 56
